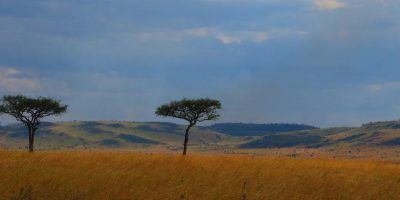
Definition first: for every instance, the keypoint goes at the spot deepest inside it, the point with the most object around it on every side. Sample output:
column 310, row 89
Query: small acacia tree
column 191, row 110
column 30, row 111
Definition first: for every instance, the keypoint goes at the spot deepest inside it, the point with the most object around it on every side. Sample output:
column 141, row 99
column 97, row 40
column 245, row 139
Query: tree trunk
column 31, row 137
column 186, row 139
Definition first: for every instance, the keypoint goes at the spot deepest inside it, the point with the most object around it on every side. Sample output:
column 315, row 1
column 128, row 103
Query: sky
column 319, row 62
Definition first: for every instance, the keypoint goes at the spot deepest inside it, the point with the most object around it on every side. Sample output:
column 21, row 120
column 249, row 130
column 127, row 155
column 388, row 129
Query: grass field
column 126, row 175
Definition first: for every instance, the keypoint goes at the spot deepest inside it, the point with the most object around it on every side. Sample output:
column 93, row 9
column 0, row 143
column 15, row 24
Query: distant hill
column 224, row 136
column 270, row 141
column 107, row 134
column 249, row 129
column 382, row 125
column 385, row 133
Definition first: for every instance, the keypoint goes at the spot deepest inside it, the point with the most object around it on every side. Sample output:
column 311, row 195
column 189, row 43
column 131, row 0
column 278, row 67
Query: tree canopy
column 191, row 110
column 31, row 110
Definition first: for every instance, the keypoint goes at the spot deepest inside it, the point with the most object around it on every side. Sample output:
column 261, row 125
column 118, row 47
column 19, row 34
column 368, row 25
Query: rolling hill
column 226, row 136
column 249, row 129
column 110, row 134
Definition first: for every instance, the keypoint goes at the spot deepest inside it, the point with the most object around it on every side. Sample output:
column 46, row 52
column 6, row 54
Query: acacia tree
column 191, row 110
column 30, row 111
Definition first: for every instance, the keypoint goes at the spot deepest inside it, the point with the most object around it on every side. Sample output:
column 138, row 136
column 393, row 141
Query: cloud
column 329, row 4
column 286, row 33
column 225, row 37
column 239, row 1
column 260, row 37
column 382, row 86
column 199, row 32
column 253, row 1
column 13, row 80
column 256, row 37
column 16, row 80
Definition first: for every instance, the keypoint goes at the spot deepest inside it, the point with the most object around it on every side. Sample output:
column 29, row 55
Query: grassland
column 126, row 175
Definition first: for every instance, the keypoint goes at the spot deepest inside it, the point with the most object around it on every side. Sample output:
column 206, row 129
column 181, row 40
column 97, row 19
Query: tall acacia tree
column 191, row 110
column 30, row 111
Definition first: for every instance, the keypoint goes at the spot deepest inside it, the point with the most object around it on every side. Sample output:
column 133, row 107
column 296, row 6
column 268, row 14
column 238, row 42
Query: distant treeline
column 250, row 129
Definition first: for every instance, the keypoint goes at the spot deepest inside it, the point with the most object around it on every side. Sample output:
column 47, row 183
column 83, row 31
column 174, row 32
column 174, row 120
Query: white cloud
column 252, row 1
column 329, row 4
column 225, row 37
column 13, row 80
column 240, row 1
column 374, row 88
column 199, row 32
column 382, row 86
column 260, row 37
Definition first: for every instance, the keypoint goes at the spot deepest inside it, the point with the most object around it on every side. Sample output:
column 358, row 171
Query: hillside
column 218, row 137
column 374, row 134
column 118, row 134
column 249, row 129
column 105, row 134
column 97, row 175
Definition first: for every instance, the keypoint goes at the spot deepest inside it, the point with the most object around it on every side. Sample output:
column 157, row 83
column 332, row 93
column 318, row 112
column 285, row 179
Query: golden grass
column 356, row 152
column 125, row 175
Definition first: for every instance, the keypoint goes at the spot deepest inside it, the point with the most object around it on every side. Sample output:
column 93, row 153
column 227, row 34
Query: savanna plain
column 115, row 174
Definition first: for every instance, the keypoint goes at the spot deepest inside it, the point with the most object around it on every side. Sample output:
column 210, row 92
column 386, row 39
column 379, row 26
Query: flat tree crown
column 30, row 110
column 192, row 110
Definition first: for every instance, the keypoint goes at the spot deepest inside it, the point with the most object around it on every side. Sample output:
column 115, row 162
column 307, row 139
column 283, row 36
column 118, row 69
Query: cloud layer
column 224, row 37
column 329, row 4
column 322, row 62
column 13, row 80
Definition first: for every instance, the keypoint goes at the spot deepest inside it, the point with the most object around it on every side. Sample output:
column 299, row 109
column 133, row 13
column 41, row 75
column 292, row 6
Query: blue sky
column 320, row 62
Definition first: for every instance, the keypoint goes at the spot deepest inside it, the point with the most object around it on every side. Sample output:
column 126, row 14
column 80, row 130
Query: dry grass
column 126, row 175
column 353, row 152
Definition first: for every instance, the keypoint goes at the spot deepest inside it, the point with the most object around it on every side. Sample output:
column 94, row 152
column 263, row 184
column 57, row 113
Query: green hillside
column 111, row 134
column 169, row 136
column 372, row 134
